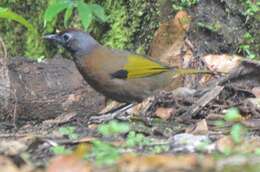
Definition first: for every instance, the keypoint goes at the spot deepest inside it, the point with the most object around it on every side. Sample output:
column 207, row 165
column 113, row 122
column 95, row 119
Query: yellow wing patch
column 138, row 67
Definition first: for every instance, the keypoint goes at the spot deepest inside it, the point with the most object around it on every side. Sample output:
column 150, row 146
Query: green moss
column 131, row 26
column 118, row 36
column 213, row 27
column 183, row 4
column 16, row 38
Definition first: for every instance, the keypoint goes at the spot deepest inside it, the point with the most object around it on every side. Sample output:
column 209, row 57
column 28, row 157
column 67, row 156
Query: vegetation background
column 130, row 25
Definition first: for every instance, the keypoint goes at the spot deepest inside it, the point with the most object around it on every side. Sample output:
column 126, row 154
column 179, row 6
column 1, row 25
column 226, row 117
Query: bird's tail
column 184, row 72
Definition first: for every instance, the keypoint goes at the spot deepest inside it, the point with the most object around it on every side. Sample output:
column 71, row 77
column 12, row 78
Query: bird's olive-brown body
column 97, row 67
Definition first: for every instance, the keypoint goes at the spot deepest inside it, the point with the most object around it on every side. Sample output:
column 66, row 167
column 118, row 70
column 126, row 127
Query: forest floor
column 208, row 123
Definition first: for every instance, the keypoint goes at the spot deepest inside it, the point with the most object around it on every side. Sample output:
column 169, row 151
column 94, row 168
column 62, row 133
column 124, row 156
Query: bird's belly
column 134, row 90
column 129, row 90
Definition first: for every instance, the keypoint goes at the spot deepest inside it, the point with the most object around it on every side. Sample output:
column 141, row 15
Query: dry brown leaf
column 249, row 145
column 222, row 62
column 63, row 118
column 165, row 113
column 214, row 116
column 12, row 147
column 254, row 103
column 6, row 165
column 171, row 48
column 182, row 21
column 169, row 39
column 141, row 107
column 86, row 139
column 224, row 144
column 68, row 163
column 201, row 128
column 256, row 92
column 160, row 163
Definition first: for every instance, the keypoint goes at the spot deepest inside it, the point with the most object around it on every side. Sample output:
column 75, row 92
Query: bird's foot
column 113, row 114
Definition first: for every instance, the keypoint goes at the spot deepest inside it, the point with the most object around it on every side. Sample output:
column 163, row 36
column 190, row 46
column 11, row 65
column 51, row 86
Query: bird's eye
column 66, row 37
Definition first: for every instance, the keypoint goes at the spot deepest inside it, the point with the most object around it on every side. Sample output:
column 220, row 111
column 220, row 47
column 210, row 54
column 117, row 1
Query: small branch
column 2, row 44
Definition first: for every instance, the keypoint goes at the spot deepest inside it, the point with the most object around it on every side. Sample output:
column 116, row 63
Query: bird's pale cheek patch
column 120, row 74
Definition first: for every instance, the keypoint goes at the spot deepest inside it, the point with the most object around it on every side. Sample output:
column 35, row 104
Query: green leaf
column 113, row 127
column 232, row 115
column 257, row 151
column 8, row 14
column 104, row 153
column 69, row 131
column 237, row 133
column 54, row 9
column 134, row 139
column 67, row 15
column 60, row 150
column 85, row 14
column 99, row 12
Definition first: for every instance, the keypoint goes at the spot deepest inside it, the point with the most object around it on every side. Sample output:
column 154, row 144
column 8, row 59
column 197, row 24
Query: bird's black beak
column 54, row 37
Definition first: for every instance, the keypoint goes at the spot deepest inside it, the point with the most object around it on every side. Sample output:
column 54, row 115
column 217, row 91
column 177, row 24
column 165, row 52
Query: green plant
column 251, row 8
column 112, row 128
column 60, row 150
column 237, row 130
column 214, row 27
column 245, row 47
column 232, row 114
column 33, row 43
column 8, row 14
column 136, row 139
column 183, row 4
column 160, row 149
column 202, row 146
column 237, row 133
column 69, row 132
column 257, row 151
column 104, row 153
column 86, row 12
column 132, row 24
column 118, row 36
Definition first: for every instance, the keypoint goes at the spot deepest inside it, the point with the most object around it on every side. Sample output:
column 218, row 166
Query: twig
column 203, row 101
column 4, row 48
column 15, row 109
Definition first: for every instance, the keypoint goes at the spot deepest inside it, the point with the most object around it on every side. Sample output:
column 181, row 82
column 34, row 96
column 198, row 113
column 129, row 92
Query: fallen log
column 37, row 91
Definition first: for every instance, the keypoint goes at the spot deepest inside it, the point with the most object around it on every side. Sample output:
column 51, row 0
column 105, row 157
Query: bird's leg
column 112, row 114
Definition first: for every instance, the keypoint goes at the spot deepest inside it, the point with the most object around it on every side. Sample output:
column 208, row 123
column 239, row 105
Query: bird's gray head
column 75, row 41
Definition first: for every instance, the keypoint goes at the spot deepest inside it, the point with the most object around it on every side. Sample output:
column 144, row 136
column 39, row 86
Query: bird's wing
column 138, row 66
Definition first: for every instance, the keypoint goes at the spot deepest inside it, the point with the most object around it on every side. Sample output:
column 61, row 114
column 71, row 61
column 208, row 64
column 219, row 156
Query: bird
column 119, row 75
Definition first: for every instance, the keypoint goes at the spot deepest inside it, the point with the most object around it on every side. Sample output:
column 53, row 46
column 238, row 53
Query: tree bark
column 30, row 90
